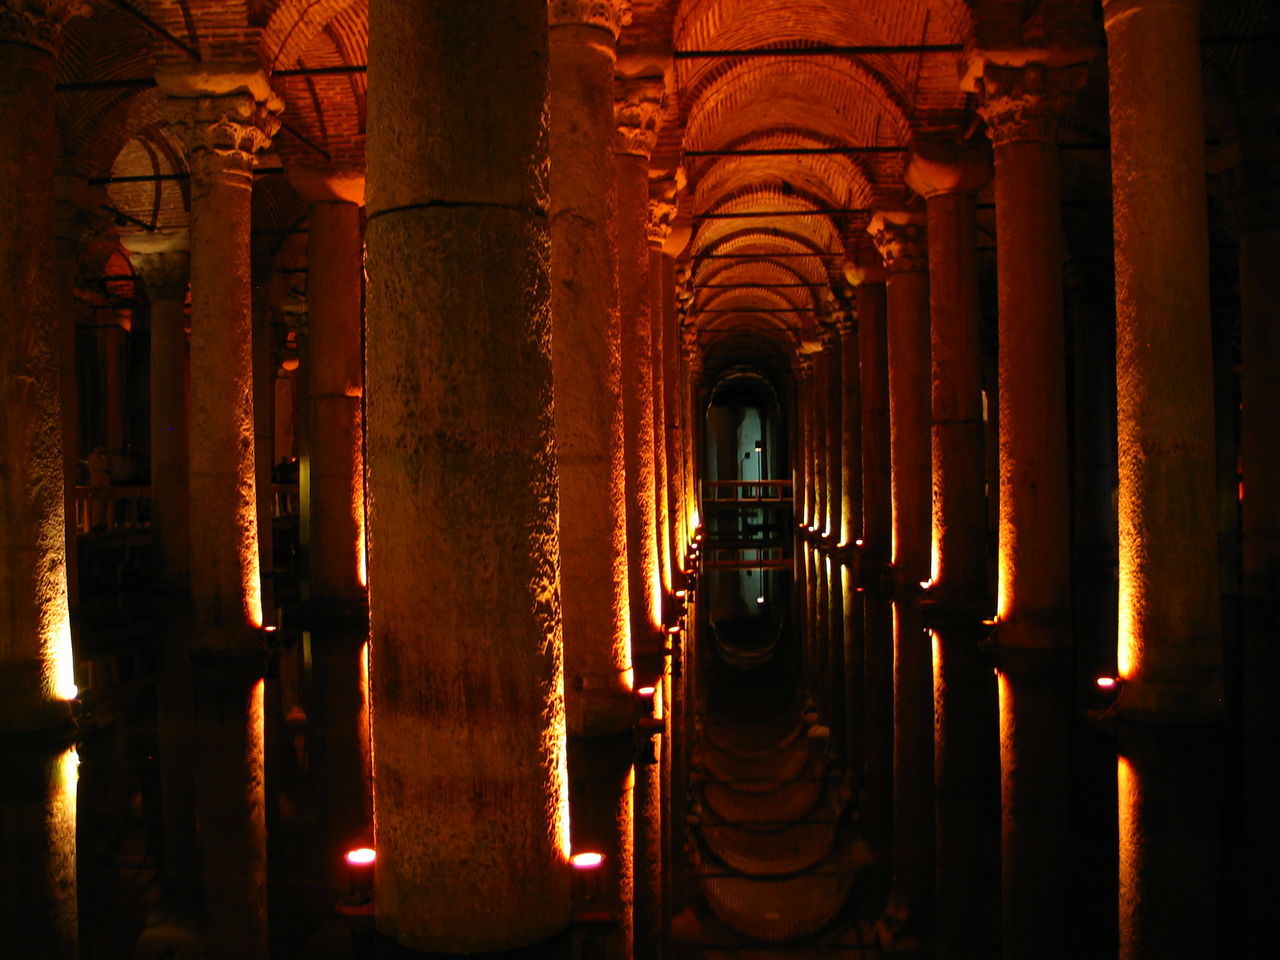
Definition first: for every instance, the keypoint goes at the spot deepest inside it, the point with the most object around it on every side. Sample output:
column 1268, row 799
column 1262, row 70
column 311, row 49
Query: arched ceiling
column 786, row 122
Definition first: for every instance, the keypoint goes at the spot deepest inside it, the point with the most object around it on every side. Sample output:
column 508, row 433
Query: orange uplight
column 646, row 691
column 586, row 860
column 682, row 593
column 1107, row 683
column 360, row 857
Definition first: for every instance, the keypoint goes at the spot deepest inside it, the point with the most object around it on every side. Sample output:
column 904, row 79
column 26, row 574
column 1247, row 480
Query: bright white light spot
column 586, row 861
column 361, row 856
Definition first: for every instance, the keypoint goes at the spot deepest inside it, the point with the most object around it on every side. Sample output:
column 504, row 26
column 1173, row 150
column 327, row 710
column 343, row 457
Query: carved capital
column 899, row 235
column 936, row 167
column 611, row 15
column 637, row 113
column 658, row 226
column 37, row 23
column 803, row 367
column 845, row 327
column 222, row 136
column 1024, row 101
column 863, row 268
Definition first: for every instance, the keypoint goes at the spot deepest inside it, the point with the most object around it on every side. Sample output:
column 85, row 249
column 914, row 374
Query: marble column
column 1020, row 103
column 1170, row 644
column 224, row 115
column 587, row 358
column 675, row 426
column 899, row 236
column 831, row 346
column 873, row 556
column 637, row 110
column 468, row 703
column 337, row 609
column 966, row 763
column 695, row 426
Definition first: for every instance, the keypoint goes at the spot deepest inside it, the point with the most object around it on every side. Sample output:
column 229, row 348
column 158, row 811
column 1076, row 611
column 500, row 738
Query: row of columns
column 948, row 715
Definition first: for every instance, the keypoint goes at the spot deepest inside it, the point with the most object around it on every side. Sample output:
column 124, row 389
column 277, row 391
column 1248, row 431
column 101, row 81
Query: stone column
column 224, row 114
column 802, row 368
column 695, row 426
column 637, row 109
column 36, row 667
column 586, row 352
column 966, row 763
column 469, row 736
column 675, row 426
column 831, row 349
column 337, row 611
column 37, row 766
column 850, row 529
column 873, row 555
column 657, row 227
column 899, row 237
column 1020, row 103
column 816, row 446
column 163, row 262
column 1170, row 646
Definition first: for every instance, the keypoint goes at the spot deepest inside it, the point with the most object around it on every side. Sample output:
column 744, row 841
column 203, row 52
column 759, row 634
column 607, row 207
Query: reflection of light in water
column 61, row 837
column 1129, row 797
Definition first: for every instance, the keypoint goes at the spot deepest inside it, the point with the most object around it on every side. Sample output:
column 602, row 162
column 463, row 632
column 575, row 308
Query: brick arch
column 294, row 24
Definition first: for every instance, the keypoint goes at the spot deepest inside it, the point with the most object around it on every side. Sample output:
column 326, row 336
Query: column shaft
column 469, row 738
column 898, row 237
column 587, row 359
column 877, row 515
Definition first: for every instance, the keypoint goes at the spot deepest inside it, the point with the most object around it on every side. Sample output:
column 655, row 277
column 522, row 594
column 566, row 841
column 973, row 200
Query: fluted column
column 334, row 504
column 1170, row 646
column 873, row 553
column 587, row 358
column 966, row 765
column 637, row 109
column 224, row 115
column 1020, row 104
column 469, row 736
column 900, row 238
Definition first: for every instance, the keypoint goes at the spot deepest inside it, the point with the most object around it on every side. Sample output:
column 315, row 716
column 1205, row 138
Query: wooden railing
column 745, row 492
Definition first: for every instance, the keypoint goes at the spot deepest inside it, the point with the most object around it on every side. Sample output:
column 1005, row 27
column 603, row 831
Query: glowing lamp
column 586, row 860
column 673, row 629
column 1108, row 683
column 360, row 857
column 682, row 593
column 646, row 691
column 759, row 599
column 359, row 898
column 857, row 543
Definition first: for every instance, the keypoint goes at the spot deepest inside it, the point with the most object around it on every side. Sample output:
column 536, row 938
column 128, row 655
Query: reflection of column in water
column 38, row 916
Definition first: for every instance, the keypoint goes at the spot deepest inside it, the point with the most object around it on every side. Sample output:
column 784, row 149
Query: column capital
column 637, row 113
column 899, row 235
column 803, row 366
column 327, row 183
column 658, row 226
column 163, row 262
column 862, row 268
column 223, row 114
column 936, row 167
column 611, row 15
column 830, row 333
column 845, row 325
column 1111, row 9
column 37, row 23
column 1023, row 93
